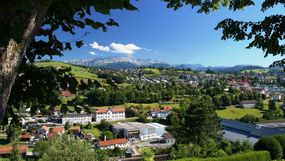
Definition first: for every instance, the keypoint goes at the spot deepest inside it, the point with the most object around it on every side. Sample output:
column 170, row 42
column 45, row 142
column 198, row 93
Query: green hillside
column 78, row 72
column 256, row 71
column 236, row 113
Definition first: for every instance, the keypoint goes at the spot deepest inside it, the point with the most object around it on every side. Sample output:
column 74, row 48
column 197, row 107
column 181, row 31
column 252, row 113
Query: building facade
column 109, row 114
column 111, row 144
column 81, row 118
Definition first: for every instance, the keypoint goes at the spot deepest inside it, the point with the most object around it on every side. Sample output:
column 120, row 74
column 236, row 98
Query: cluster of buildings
column 109, row 114
column 139, row 130
column 131, row 132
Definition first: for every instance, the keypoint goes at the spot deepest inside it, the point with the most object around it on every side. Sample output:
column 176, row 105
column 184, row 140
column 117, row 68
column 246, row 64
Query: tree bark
column 11, row 56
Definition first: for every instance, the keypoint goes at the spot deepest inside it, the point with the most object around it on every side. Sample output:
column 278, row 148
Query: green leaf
column 4, row 38
column 17, row 30
column 130, row 7
column 63, row 108
column 26, row 6
column 67, row 46
column 79, row 43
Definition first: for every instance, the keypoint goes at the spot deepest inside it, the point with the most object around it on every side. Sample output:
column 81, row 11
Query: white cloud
column 95, row 45
column 124, row 49
column 92, row 53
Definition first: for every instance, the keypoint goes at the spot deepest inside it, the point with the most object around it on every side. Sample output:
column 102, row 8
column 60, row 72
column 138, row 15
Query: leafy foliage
column 196, row 123
column 249, row 156
column 270, row 144
column 68, row 148
column 147, row 154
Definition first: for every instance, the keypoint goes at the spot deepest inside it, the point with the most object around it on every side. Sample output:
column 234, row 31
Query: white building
column 81, row 118
column 140, row 130
column 159, row 129
column 109, row 114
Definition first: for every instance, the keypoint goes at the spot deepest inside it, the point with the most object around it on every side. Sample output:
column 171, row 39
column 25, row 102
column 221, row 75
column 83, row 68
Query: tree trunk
column 11, row 56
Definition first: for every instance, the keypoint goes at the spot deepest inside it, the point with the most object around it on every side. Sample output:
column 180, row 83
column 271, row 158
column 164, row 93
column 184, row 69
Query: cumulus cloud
column 124, row 49
column 95, row 45
column 92, row 53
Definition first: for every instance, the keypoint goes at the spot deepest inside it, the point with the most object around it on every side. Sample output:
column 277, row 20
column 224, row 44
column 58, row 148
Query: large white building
column 140, row 130
column 81, row 118
column 109, row 114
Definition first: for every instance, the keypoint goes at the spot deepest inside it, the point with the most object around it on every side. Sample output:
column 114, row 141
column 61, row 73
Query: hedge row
column 248, row 156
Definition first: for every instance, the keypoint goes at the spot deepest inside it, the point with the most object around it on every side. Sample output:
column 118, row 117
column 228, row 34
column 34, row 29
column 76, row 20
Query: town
column 130, row 80
column 144, row 104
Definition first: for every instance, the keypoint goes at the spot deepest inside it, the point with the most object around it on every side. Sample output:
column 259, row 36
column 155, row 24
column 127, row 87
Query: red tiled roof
column 25, row 136
column 113, row 142
column 45, row 128
column 8, row 149
column 58, row 129
column 51, row 135
column 118, row 109
column 105, row 110
column 167, row 108
column 101, row 110
column 66, row 93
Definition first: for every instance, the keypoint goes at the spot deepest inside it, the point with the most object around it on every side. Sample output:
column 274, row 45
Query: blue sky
column 175, row 37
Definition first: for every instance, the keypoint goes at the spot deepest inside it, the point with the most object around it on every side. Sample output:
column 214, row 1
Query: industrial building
column 235, row 130
column 139, row 130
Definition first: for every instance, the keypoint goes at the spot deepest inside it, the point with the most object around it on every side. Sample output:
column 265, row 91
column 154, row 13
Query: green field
column 78, row 72
column 94, row 131
column 256, row 71
column 236, row 113
column 154, row 72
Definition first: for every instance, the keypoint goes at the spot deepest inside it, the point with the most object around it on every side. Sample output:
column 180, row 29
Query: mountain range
column 131, row 62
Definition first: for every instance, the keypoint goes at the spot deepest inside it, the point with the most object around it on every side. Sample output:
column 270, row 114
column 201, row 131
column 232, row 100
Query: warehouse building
column 139, row 130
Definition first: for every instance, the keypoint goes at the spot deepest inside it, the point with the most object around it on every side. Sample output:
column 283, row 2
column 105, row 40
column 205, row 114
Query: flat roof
column 156, row 125
column 131, row 126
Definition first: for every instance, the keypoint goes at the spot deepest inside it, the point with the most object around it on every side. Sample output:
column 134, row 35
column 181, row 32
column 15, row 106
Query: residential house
column 6, row 150
column 43, row 130
column 160, row 113
column 81, row 118
column 111, row 144
column 168, row 138
column 66, row 93
column 109, row 114
column 277, row 96
column 26, row 137
column 53, row 131
column 248, row 104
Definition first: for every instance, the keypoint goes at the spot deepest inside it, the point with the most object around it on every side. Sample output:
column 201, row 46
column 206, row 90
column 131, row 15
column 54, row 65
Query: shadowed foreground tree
column 197, row 123
column 68, row 148
column 28, row 31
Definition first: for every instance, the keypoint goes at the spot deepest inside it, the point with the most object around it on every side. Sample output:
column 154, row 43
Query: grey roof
column 167, row 136
column 77, row 115
column 249, row 130
column 130, row 126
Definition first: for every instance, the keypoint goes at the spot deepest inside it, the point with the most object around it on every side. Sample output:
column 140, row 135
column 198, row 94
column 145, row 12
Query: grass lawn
column 94, row 131
column 144, row 105
column 236, row 113
column 78, row 72
column 256, row 71
column 154, row 72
